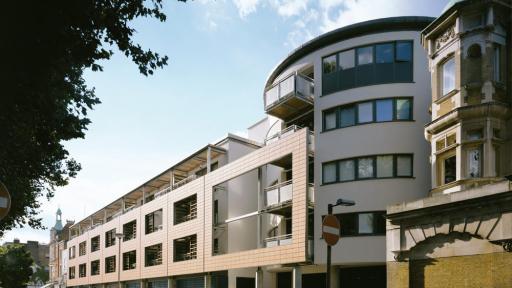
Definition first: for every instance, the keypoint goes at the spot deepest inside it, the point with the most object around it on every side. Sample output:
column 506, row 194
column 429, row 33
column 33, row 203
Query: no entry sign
column 331, row 230
column 5, row 201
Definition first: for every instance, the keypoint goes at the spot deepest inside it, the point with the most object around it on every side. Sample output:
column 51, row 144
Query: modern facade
column 59, row 235
column 461, row 235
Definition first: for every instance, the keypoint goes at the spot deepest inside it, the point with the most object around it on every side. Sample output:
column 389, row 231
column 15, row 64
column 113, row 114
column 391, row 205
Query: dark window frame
column 147, row 219
column 97, row 270
column 133, row 234
column 131, row 264
column 110, row 238
column 82, row 248
column 378, row 230
column 375, row 168
column 337, row 110
column 95, row 245
column 72, row 272
column 155, row 262
column 107, row 266
column 82, row 268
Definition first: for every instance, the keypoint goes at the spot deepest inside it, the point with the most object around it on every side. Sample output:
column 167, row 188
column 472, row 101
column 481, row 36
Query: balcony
column 290, row 97
column 278, row 240
column 279, row 194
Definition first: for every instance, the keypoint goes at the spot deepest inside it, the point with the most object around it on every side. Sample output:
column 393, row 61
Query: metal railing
column 278, row 240
column 279, row 193
column 281, row 134
column 295, row 84
column 184, row 181
column 311, row 192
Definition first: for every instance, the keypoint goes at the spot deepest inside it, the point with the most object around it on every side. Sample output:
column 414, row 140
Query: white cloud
column 288, row 8
column 246, row 7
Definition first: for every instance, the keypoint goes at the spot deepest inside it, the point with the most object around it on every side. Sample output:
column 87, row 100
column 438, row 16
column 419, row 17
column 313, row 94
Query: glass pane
column 365, row 55
column 329, row 64
column 451, row 139
column 365, row 168
column 384, row 53
column 365, row 112
column 403, row 51
column 347, row 116
column 450, row 169
column 365, row 223
column 329, row 120
column 329, row 173
column 404, row 165
column 347, row 59
column 448, row 76
column 347, row 171
column 384, row 166
column 384, row 110
column 348, row 223
column 403, row 109
column 474, row 163
column 475, row 134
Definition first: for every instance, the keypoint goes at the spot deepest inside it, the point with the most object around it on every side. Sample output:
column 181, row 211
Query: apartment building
column 461, row 235
column 59, row 235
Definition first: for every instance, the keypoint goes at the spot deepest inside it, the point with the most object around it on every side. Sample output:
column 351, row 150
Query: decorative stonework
column 447, row 35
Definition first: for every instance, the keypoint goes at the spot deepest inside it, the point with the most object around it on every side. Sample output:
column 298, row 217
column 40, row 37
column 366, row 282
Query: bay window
column 448, row 74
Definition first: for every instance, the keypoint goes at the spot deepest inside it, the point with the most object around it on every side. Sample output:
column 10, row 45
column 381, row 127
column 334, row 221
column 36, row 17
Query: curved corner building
column 368, row 110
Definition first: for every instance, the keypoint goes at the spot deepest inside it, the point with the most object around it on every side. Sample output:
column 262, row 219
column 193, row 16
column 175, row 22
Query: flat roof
column 403, row 23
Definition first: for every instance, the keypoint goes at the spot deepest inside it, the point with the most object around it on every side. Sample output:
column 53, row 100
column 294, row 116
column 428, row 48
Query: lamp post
column 339, row 202
column 119, row 236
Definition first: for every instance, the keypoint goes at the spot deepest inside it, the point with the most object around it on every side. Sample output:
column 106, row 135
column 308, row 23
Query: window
column 82, row 248
column 154, row 221
column 381, row 63
column 201, row 172
column 384, row 53
column 380, row 110
column 72, row 252
column 130, row 230
column 216, row 212
column 185, row 210
column 71, row 272
column 450, row 169
column 214, row 166
column 95, row 243
column 129, row 260
column 384, row 110
column 110, row 264
column 347, row 59
column 368, row 167
column 82, row 270
column 329, row 172
column 448, row 76
column 185, row 248
column 110, row 238
column 473, row 21
column 474, row 162
column 404, row 51
column 329, row 64
column 95, row 267
column 476, row 134
column 497, row 63
column 153, row 255
column 361, row 224
column 446, row 142
column 365, row 55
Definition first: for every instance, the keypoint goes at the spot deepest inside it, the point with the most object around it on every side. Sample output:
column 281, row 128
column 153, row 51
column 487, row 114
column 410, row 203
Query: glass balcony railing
column 278, row 194
column 297, row 91
column 278, row 240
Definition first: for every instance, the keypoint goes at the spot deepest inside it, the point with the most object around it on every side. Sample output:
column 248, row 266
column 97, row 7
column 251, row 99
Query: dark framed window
column 110, row 264
column 448, row 76
column 130, row 230
column 71, row 274
column 185, row 248
column 362, row 223
column 110, row 238
column 153, row 255
column 368, row 167
column 370, row 111
column 129, row 260
column 185, row 209
column 82, row 270
column 95, row 243
column 379, row 63
column 82, row 248
column 72, row 252
column 154, row 221
column 95, row 267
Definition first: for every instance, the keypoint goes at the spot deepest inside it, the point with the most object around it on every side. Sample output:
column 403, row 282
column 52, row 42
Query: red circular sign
column 5, row 201
column 331, row 230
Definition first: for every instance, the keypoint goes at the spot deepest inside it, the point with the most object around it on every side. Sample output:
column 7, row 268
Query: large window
column 95, row 243
column 448, row 69
column 450, row 169
column 185, row 248
column 154, row 221
column 82, row 248
column 110, row 238
column 153, row 255
column 380, row 110
column 368, row 167
column 185, row 210
column 110, row 264
column 129, row 260
column 71, row 274
column 95, row 267
column 362, row 223
column 72, row 250
column 130, row 230
column 381, row 63
column 82, row 270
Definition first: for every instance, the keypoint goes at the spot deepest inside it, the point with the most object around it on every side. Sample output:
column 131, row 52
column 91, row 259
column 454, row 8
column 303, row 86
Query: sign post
column 5, row 201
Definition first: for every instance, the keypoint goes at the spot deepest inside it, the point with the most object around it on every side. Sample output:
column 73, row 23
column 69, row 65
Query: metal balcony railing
column 311, row 192
column 279, row 193
column 281, row 134
column 296, row 84
column 184, row 181
column 278, row 240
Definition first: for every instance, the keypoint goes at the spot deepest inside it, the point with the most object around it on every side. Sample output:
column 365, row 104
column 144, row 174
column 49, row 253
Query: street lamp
column 339, row 202
column 119, row 236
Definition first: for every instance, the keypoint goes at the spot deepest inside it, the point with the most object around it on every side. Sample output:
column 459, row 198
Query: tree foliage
column 45, row 47
column 15, row 266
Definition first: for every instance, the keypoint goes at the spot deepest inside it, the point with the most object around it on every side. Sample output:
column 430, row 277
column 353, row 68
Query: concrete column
column 170, row 283
column 143, row 195
column 259, row 278
column 335, row 277
column 297, row 277
column 171, row 181
column 142, row 283
column 260, row 207
column 208, row 159
column 207, row 281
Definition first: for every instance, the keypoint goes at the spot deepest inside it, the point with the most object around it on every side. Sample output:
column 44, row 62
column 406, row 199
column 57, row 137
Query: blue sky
column 221, row 53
